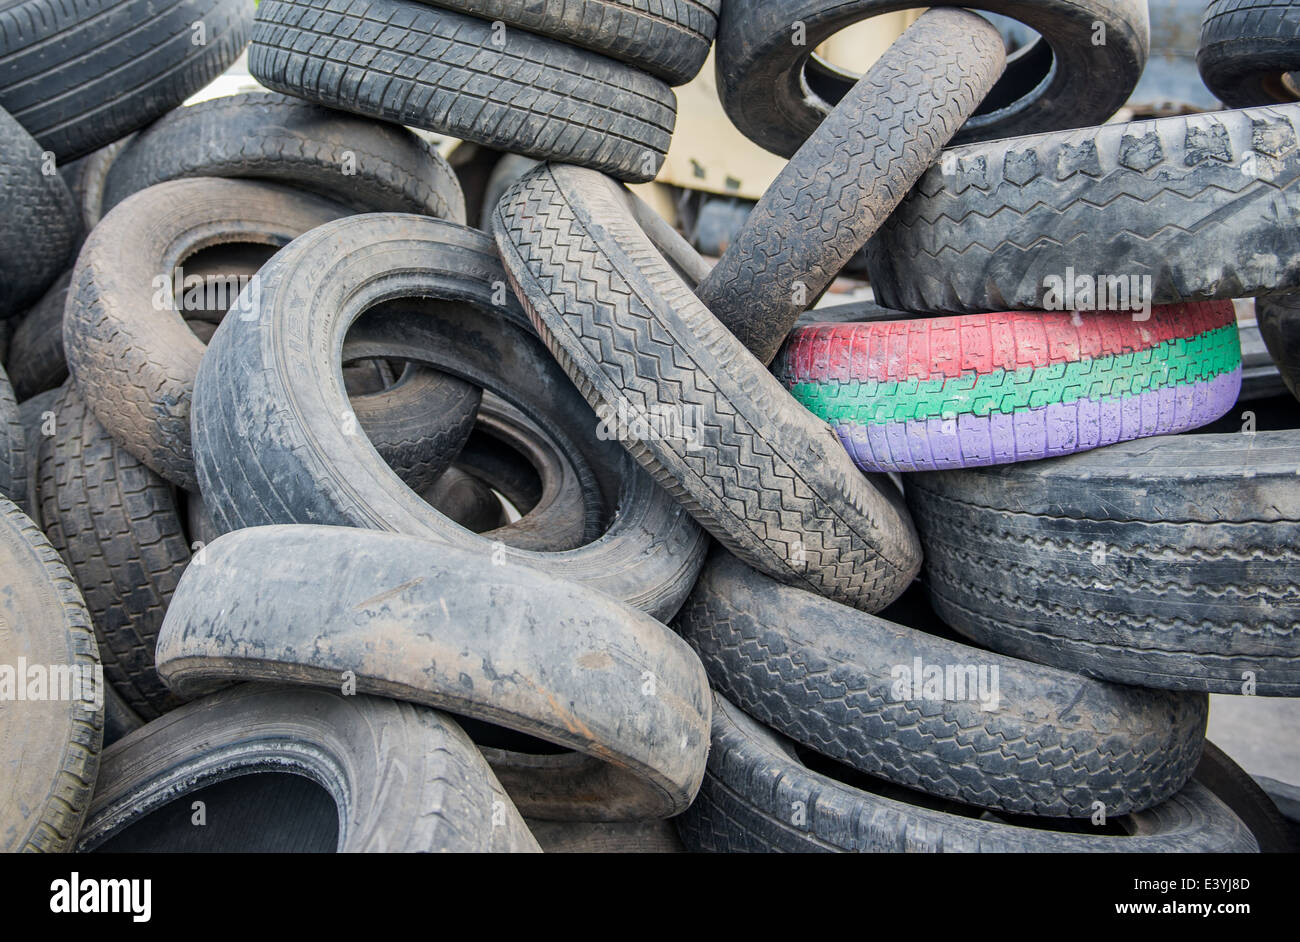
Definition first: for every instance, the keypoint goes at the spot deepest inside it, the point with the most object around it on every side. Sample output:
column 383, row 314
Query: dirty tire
column 40, row 227
column 509, row 169
column 82, row 76
column 297, row 466
column 1261, row 377
column 612, row 837
column 1052, row 744
column 49, row 749
column 958, row 243
column 119, row 719
column 36, row 362
column 404, row 778
column 413, row 64
column 85, row 177
column 13, row 446
column 490, row 648
column 777, row 93
column 930, row 394
column 1247, row 49
column 670, row 39
column 135, row 361
column 1167, row 562
column 626, row 327
column 850, row 174
column 756, row 783
column 1279, row 325
column 465, row 500
column 366, row 165
column 1235, row 788
column 119, row 528
column 33, row 413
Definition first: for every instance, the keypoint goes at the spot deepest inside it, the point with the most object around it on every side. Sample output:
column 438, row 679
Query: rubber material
column 466, row 500
column 414, row 64
column 994, row 732
column 1167, row 562
column 758, row 472
column 80, row 76
column 447, row 628
column 616, row 837
column 775, row 90
column 36, row 362
column 950, row 392
column 49, row 746
column 1247, row 49
column 13, row 446
column 759, row 796
column 850, row 174
column 403, row 778
column 366, row 165
column 297, row 466
column 1200, row 205
column 1248, row 800
column 1279, row 325
column 669, row 39
column 40, row 227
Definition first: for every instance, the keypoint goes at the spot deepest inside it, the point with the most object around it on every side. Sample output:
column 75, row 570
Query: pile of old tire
column 585, row 83
column 508, row 541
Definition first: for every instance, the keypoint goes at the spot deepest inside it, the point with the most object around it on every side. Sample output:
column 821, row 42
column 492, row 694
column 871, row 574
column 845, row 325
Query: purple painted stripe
column 970, row 441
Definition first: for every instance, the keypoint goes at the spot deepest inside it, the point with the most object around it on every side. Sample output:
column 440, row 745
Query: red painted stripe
column 980, row 343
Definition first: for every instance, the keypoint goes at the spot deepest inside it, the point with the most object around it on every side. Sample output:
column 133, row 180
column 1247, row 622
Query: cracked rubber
column 1246, row 47
column 405, row 779
column 40, row 227
column 930, row 394
column 766, row 478
column 413, row 64
column 1052, row 744
column 850, row 174
column 366, row 165
column 776, row 91
column 49, row 749
column 80, row 76
column 1204, row 205
column 670, row 39
column 1167, row 562
column 424, row 622
column 267, row 402
column 760, row 795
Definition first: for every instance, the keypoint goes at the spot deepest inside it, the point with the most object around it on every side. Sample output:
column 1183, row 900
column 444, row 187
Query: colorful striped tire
column 981, row 389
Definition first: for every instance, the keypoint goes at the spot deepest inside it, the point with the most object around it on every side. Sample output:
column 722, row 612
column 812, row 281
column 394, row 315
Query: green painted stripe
column 1182, row 361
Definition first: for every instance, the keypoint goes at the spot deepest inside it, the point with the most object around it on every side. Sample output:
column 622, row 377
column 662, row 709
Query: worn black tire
column 404, row 778
column 413, row 64
column 465, row 500
column 79, row 76
column 1009, row 214
column 40, row 227
column 118, row 526
column 13, row 446
column 850, row 174
column 49, row 749
column 1247, row 48
column 37, row 416
column 757, row 787
column 504, row 644
column 86, row 176
column 1279, row 325
column 135, row 361
column 119, row 719
column 776, row 92
column 1166, row 562
column 1051, row 743
column 368, row 166
column 669, row 39
column 298, row 466
column 509, row 169
column 36, row 362
column 1235, row 788
column 764, row 476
